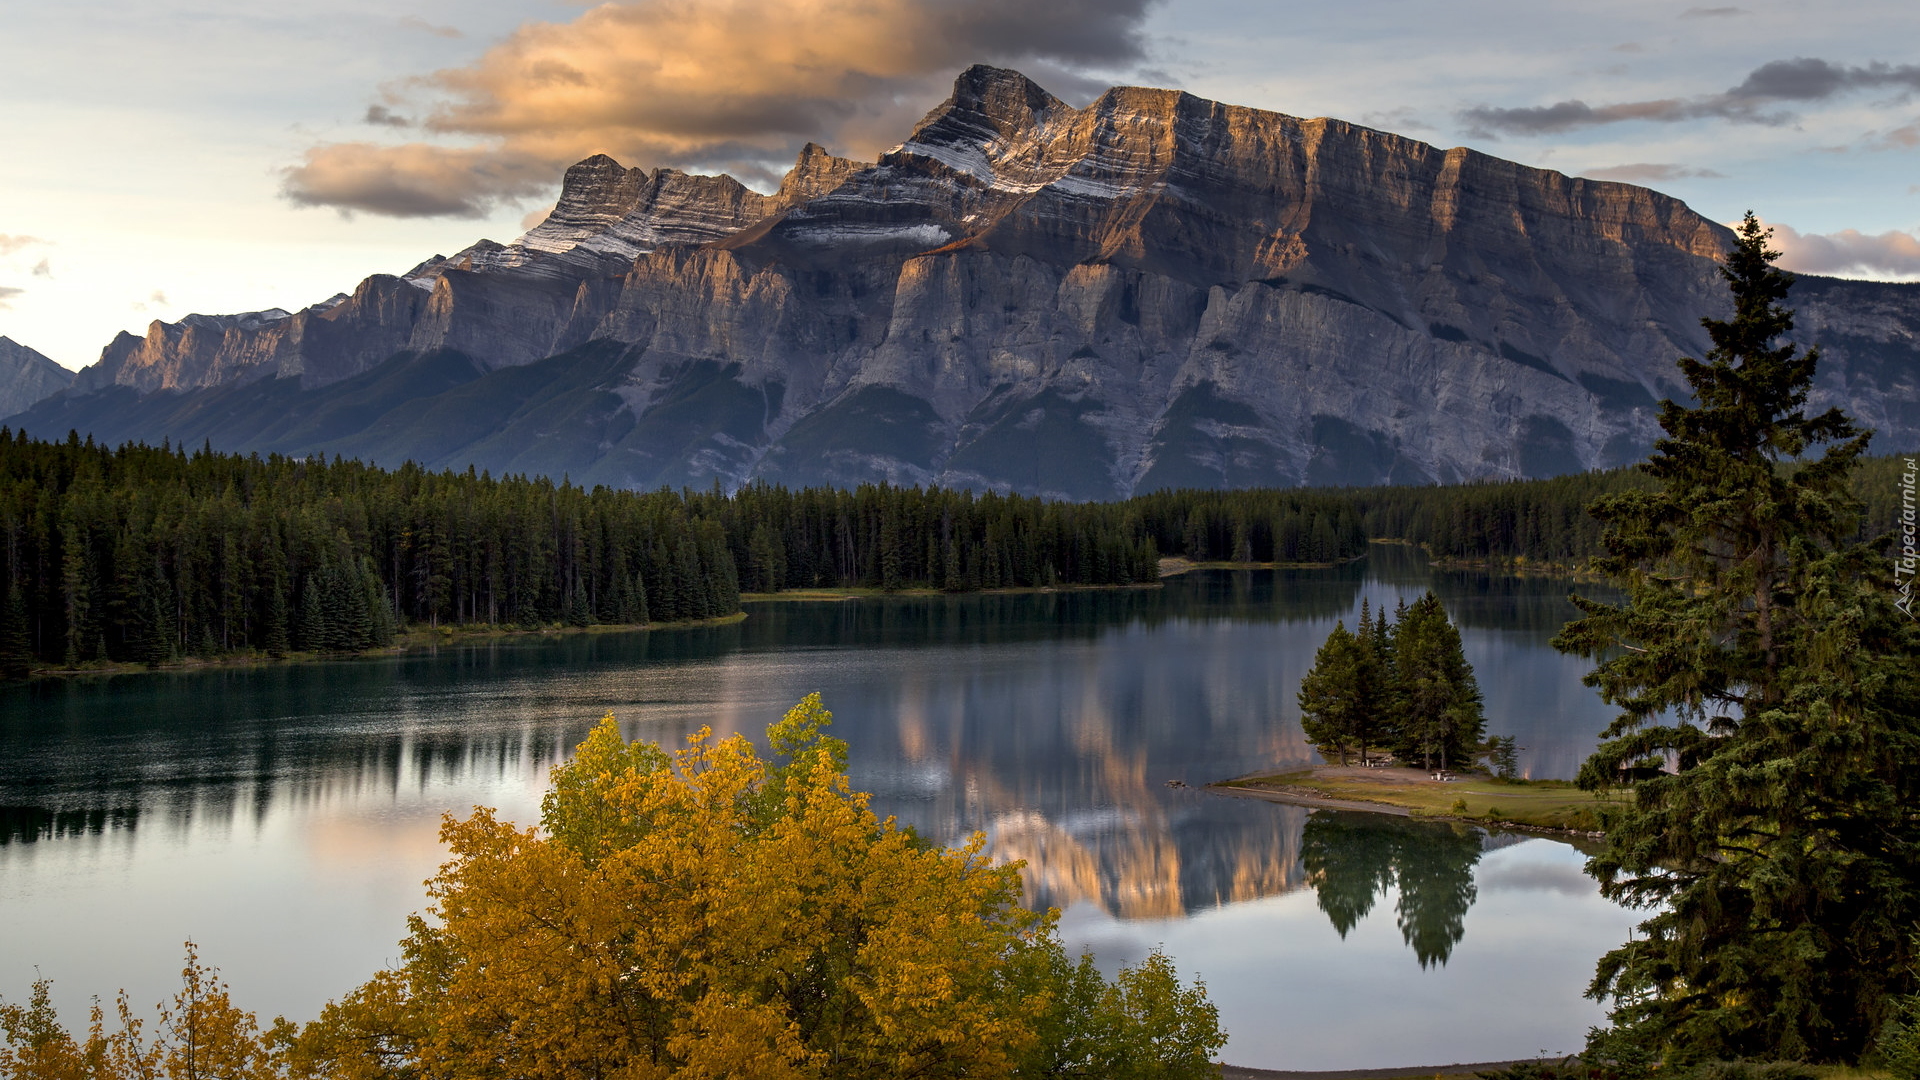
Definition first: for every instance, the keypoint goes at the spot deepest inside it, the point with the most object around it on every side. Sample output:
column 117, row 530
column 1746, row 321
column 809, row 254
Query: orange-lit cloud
column 1849, row 251
column 704, row 84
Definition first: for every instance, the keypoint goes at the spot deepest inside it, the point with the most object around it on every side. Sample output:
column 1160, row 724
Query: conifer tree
column 16, row 643
column 278, row 636
column 313, row 617
column 1758, row 656
column 1329, row 695
column 1341, row 698
column 766, row 560
column 1437, row 700
column 638, row 613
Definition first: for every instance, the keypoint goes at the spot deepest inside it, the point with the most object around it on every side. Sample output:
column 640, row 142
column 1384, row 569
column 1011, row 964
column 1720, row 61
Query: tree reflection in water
column 1352, row 858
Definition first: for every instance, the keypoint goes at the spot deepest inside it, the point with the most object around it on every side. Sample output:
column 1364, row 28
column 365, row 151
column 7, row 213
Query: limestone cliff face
column 1155, row 290
column 320, row 344
column 27, row 376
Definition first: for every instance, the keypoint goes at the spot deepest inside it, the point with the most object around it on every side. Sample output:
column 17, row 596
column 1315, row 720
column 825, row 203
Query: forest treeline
column 1547, row 520
column 141, row 554
column 148, row 555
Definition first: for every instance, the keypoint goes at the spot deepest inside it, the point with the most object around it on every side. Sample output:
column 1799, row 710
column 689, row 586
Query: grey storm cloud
column 381, row 116
column 1755, row 100
column 738, row 85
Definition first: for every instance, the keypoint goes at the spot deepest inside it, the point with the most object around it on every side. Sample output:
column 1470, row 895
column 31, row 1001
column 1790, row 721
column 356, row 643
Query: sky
column 161, row 157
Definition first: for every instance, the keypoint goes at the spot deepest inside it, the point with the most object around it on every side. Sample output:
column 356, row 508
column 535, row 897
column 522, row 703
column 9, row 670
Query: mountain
column 27, row 377
column 1151, row 291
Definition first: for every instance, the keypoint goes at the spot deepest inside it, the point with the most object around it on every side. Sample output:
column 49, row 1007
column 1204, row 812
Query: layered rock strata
column 1151, row 291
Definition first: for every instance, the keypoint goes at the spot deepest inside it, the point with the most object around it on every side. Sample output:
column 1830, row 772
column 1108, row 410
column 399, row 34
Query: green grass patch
column 1539, row 804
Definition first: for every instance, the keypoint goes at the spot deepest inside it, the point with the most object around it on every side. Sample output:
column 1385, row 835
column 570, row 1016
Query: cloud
column 1488, row 122
column 16, row 242
column 1647, row 172
column 415, row 22
column 535, row 217
column 1401, row 119
column 43, row 268
column 381, row 116
column 1800, row 80
column 414, row 180
column 1900, row 138
column 7, row 293
column 1849, row 251
column 719, row 84
column 1713, row 12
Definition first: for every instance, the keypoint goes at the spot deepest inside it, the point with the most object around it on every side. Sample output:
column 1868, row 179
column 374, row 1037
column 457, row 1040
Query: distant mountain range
column 27, row 377
column 1151, row 291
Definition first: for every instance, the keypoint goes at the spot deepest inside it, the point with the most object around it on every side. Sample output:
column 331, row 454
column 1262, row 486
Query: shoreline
column 1175, row 565
column 1552, row 808
column 417, row 638
column 864, row 592
column 1519, row 566
column 1456, row 1071
column 1301, row 797
column 414, row 639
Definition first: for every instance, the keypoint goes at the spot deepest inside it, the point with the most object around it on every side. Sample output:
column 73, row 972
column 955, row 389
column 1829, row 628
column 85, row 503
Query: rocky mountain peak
column 608, row 214
column 27, row 376
column 815, row 172
column 1155, row 290
column 992, row 99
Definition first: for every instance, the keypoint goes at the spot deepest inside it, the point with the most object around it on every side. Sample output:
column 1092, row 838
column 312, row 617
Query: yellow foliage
column 201, row 1035
column 698, row 915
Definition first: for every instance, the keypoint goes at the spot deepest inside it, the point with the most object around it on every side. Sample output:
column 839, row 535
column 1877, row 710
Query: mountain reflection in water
column 309, row 795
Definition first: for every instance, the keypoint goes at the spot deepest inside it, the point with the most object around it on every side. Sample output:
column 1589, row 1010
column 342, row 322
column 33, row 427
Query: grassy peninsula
column 1547, row 805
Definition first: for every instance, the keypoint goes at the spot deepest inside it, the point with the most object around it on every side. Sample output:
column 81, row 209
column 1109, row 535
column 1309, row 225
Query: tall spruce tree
column 1437, row 711
column 1341, row 697
column 1758, row 656
column 16, row 643
column 1326, row 696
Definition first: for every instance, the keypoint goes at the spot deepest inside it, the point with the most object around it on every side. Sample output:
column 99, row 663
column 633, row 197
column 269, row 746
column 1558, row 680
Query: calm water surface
column 284, row 818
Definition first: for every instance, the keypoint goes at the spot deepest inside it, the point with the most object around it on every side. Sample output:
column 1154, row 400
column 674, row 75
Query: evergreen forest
column 140, row 554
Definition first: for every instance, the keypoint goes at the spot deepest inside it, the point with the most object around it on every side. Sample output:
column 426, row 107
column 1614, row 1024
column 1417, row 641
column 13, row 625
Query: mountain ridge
column 1153, row 290
column 28, row 376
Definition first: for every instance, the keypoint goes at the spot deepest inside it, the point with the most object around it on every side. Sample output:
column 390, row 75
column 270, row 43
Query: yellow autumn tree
column 201, row 1035
column 708, row 914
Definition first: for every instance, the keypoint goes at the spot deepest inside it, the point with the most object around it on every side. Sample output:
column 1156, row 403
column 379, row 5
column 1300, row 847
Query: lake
column 285, row 817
